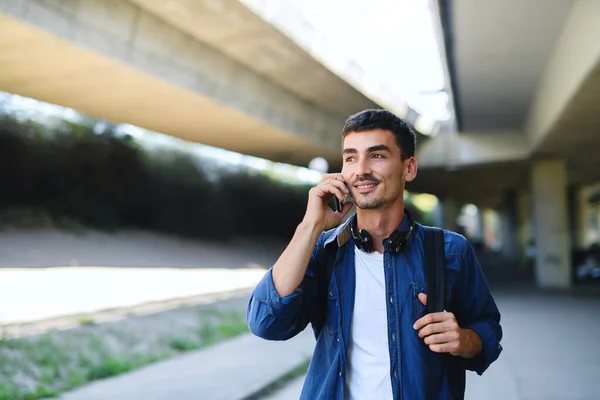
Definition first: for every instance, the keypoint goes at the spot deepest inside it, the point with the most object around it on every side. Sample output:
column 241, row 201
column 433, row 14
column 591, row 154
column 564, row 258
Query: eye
column 350, row 159
column 378, row 155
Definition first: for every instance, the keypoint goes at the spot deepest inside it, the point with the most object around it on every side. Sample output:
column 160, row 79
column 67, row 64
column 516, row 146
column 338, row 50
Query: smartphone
column 337, row 204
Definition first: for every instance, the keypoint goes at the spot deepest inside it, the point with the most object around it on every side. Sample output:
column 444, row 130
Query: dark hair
column 367, row 120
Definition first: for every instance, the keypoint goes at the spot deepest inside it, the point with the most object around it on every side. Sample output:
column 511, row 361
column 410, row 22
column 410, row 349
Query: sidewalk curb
column 279, row 383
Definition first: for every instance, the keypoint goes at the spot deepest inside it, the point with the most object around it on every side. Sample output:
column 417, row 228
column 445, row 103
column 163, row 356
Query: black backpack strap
column 435, row 269
column 326, row 260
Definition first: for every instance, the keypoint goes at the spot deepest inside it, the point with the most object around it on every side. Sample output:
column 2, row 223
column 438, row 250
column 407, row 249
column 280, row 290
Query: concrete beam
column 455, row 150
column 126, row 33
column 575, row 56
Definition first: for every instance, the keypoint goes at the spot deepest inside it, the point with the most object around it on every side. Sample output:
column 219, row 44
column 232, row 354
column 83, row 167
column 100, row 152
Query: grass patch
column 86, row 321
column 47, row 365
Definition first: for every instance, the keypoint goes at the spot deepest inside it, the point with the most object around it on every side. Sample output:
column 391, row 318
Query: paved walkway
column 231, row 370
column 551, row 351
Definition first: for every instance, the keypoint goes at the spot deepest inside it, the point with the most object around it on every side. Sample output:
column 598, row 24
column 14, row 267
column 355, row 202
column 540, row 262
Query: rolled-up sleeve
column 479, row 312
column 279, row 318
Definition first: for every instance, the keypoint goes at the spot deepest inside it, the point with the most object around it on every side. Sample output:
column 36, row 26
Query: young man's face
column 373, row 168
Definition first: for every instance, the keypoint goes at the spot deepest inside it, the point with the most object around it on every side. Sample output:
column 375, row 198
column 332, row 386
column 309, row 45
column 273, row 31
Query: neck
column 381, row 223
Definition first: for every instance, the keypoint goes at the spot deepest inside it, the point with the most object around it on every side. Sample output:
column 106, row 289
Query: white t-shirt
column 368, row 372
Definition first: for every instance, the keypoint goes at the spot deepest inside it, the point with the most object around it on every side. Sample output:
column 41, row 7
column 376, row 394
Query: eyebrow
column 372, row 149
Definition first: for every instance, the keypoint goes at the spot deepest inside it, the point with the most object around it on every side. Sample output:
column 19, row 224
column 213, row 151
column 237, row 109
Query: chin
column 371, row 204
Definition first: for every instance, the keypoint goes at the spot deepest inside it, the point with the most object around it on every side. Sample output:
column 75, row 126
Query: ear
column 410, row 169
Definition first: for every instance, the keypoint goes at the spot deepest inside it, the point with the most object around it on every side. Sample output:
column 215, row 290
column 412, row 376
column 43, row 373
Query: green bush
column 67, row 174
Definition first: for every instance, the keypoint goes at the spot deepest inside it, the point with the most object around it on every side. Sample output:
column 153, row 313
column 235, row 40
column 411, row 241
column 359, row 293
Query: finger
column 336, row 176
column 327, row 188
column 441, row 338
column 451, row 347
column 431, row 329
column 336, row 192
column 338, row 184
column 430, row 319
column 324, row 177
column 346, row 208
column 339, row 177
column 423, row 298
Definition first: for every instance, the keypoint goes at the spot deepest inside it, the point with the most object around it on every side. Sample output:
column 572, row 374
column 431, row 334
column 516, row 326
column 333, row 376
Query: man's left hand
column 443, row 334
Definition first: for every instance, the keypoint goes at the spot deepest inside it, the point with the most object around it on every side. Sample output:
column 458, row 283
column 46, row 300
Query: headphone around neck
column 394, row 244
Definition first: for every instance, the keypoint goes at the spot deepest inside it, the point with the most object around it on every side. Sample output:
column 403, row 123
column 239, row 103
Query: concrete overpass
column 523, row 80
column 525, row 84
column 206, row 71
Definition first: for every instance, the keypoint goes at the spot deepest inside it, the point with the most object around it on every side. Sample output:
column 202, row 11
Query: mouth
column 365, row 187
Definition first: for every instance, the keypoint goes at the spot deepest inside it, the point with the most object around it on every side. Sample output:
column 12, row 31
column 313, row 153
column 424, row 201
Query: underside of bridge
column 525, row 88
column 208, row 72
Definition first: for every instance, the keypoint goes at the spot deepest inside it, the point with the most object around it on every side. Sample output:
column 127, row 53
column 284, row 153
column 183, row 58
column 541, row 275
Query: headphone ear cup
column 366, row 243
column 362, row 239
column 395, row 243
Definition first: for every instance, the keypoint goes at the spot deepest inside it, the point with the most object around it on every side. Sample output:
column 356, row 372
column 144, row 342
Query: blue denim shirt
column 274, row 318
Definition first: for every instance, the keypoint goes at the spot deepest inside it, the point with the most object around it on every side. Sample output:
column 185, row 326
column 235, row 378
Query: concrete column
column 524, row 222
column 449, row 211
column 581, row 208
column 480, row 227
column 551, row 229
column 509, row 227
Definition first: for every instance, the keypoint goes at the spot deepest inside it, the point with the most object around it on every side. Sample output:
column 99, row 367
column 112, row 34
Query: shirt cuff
column 490, row 349
column 287, row 306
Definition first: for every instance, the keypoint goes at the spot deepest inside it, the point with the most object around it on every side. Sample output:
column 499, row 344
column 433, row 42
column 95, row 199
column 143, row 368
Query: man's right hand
column 318, row 212
column 290, row 268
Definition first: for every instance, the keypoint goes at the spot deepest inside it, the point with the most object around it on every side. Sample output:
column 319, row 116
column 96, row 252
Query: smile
column 366, row 187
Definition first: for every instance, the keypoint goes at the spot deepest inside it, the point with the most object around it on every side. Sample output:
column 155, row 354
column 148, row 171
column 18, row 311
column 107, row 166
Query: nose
column 363, row 167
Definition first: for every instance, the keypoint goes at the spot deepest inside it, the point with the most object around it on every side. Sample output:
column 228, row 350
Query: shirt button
column 330, row 293
column 340, row 374
column 391, row 299
column 338, row 339
column 393, row 336
column 394, row 374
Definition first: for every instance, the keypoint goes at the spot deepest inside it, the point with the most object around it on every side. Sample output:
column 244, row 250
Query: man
column 374, row 339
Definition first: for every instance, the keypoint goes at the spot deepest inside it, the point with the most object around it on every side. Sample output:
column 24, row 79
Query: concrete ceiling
column 234, row 30
column 499, row 51
column 575, row 136
column 528, row 69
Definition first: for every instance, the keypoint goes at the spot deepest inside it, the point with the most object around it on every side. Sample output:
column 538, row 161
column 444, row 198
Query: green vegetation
column 46, row 365
column 74, row 176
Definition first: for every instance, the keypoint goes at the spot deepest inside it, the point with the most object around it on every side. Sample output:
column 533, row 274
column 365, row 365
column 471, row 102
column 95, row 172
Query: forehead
column 361, row 141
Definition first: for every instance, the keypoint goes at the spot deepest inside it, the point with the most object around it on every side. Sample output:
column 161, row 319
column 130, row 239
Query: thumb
column 423, row 298
column 346, row 208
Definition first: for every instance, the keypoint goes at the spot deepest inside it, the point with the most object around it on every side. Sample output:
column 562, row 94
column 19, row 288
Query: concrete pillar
column 449, row 211
column 524, row 225
column 480, row 227
column 509, row 227
column 580, row 212
column 437, row 215
column 551, row 229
